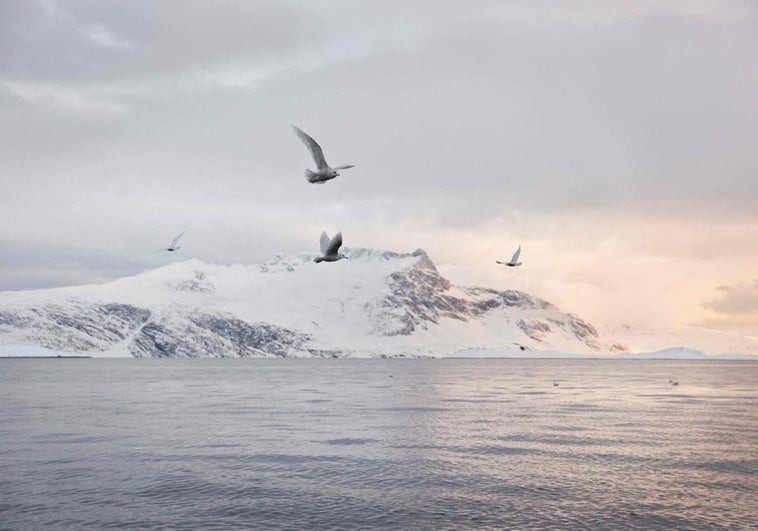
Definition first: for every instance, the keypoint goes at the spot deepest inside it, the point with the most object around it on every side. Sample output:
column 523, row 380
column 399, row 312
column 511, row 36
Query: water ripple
column 459, row 444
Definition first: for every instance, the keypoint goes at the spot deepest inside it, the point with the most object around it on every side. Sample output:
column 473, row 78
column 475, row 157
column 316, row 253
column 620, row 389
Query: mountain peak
column 369, row 254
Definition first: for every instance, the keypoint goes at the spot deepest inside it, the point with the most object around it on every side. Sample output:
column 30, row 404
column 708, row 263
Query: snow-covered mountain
column 673, row 353
column 640, row 338
column 377, row 303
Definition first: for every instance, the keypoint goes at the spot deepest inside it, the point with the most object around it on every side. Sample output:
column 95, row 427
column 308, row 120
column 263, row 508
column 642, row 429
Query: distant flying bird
column 674, row 383
column 330, row 248
column 514, row 260
column 174, row 247
column 324, row 172
column 556, row 384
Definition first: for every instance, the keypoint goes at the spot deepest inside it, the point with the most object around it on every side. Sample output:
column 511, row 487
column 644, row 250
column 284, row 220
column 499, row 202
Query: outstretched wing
column 499, row 262
column 324, row 242
column 515, row 255
column 344, row 167
column 335, row 244
column 176, row 240
column 318, row 155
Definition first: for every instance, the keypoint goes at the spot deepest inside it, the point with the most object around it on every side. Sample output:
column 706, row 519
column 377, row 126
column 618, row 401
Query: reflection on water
column 378, row 443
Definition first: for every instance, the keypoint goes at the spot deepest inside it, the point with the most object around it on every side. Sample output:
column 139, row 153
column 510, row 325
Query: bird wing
column 318, row 155
column 324, row 243
column 344, row 167
column 335, row 244
column 176, row 240
column 499, row 262
column 515, row 255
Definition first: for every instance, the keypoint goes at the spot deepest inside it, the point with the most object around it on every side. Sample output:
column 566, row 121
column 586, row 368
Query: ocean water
column 360, row 444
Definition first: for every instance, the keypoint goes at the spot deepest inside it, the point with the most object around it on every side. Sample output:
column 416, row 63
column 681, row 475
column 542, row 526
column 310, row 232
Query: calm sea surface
column 355, row 444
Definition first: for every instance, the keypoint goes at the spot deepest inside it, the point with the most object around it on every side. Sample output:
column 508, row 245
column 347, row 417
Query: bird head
column 344, row 256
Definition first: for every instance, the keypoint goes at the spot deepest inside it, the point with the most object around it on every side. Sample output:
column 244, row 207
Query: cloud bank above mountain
column 615, row 143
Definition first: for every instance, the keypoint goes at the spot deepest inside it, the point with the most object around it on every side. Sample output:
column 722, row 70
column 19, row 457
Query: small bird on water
column 324, row 172
column 514, row 260
column 174, row 244
column 330, row 248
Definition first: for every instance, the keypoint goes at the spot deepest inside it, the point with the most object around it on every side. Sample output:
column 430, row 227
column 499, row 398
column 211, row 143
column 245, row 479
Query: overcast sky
column 615, row 141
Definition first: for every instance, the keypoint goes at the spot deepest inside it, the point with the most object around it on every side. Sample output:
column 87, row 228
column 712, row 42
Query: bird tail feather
column 310, row 176
column 318, row 259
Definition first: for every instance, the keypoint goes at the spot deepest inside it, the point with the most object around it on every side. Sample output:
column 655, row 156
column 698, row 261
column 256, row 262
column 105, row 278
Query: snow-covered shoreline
column 674, row 353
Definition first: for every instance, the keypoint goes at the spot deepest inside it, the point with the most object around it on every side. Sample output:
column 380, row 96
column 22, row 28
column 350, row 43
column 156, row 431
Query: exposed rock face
column 198, row 284
column 202, row 335
column 377, row 303
column 534, row 328
column 75, row 325
column 584, row 331
column 416, row 297
column 83, row 327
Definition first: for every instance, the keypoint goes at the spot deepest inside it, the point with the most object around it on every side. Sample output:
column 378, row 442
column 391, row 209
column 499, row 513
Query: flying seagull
column 330, row 248
column 174, row 247
column 324, row 172
column 514, row 260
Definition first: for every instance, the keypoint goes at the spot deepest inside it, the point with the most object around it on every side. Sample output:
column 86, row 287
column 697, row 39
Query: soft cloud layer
column 739, row 301
column 615, row 141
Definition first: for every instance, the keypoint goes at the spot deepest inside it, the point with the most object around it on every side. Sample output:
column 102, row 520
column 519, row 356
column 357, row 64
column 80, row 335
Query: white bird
column 330, row 248
column 514, row 260
column 174, row 247
column 324, row 172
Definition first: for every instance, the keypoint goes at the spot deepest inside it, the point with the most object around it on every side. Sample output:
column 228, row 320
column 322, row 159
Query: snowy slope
column 376, row 303
column 649, row 339
column 673, row 353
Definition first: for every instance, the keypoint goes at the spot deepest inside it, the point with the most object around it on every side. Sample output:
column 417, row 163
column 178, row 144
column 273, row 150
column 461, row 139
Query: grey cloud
column 738, row 300
column 487, row 117
column 119, row 115
column 105, row 37
column 63, row 98
column 84, row 40
column 196, row 33
column 35, row 266
column 44, row 40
